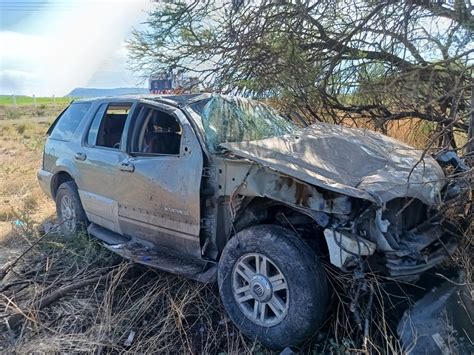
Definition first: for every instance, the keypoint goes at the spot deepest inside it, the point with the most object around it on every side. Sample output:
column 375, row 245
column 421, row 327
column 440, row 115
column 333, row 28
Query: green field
column 28, row 100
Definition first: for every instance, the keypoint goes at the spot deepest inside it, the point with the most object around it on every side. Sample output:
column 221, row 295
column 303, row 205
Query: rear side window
column 65, row 126
column 108, row 124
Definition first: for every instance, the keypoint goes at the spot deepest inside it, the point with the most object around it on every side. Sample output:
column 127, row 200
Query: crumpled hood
column 356, row 162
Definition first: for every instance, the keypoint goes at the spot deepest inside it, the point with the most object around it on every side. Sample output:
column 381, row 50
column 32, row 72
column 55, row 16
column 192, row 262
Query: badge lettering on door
column 175, row 210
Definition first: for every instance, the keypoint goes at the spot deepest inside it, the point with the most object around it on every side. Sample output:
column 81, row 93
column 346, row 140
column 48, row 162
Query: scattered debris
column 130, row 338
column 19, row 223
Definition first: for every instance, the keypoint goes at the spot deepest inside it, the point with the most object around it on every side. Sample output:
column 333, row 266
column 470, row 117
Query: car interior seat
column 166, row 141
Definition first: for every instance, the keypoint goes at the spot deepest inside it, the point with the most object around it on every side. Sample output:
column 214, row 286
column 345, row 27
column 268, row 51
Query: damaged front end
column 400, row 238
column 374, row 200
column 403, row 238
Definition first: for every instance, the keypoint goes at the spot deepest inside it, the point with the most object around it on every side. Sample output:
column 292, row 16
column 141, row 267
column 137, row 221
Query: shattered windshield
column 228, row 119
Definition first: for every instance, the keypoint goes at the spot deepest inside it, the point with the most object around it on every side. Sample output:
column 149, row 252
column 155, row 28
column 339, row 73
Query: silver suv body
column 190, row 184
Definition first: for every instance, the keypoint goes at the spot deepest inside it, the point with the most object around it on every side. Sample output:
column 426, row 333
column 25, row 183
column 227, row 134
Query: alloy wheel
column 68, row 214
column 260, row 289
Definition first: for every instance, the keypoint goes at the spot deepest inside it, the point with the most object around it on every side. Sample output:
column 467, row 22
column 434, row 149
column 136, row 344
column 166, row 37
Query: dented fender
column 240, row 177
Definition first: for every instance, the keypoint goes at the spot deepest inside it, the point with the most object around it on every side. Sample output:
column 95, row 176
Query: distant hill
column 93, row 92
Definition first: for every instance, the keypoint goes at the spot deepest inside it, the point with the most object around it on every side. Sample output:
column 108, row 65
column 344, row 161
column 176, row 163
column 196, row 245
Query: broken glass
column 228, row 119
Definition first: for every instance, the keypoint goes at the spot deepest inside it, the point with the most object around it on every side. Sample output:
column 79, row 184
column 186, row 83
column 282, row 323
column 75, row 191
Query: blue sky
column 49, row 47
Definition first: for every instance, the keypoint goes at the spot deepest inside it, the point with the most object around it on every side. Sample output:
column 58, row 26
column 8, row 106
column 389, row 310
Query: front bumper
column 44, row 180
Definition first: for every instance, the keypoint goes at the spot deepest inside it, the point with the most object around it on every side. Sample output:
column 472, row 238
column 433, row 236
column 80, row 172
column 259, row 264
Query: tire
column 294, row 290
column 71, row 215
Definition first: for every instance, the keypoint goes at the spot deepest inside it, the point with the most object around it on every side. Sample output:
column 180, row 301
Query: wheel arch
column 262, row 210
column 58, row 179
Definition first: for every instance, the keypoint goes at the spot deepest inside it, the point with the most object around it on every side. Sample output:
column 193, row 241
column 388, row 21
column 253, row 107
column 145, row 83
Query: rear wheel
column 272, row 286
column 71, row 215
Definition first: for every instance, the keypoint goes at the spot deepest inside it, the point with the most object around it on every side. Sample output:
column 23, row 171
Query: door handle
column 127, row 166
column 80, row 156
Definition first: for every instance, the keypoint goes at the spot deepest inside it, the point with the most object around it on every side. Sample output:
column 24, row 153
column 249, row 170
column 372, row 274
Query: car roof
column 181, row 100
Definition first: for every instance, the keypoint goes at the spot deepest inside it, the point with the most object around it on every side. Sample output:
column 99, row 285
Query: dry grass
column 136, row 309
column 21, row 146
column 41, row 110
column 156, row 312
column 133, row 308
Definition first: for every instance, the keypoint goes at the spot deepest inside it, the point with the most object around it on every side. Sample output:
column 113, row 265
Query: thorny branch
column 343, row 62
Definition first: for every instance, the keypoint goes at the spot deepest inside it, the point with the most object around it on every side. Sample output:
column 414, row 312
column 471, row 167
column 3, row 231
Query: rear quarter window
column 66, row 124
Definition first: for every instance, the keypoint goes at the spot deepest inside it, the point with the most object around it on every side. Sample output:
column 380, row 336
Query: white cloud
column 69, row 48
column 16, row 80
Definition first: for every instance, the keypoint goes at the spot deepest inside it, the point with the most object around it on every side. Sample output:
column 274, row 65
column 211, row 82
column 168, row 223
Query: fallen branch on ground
column 54, row 296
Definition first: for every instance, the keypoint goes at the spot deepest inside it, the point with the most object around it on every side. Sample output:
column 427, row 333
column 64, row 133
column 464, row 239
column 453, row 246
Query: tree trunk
column 470, row 134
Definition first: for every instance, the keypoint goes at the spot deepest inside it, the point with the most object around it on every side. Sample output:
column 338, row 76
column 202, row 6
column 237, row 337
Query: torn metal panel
column 418, row 262
column 250, row 179
column 355, row 162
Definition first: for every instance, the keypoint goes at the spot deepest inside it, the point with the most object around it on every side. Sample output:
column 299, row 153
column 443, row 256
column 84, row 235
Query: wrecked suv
column 205, row 185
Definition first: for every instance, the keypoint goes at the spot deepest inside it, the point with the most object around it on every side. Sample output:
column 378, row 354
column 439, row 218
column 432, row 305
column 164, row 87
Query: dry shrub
column 6, row 130
column 5, row 215
column 31, row 202
column 21, row 128
column 412, row 131
column 464, row 255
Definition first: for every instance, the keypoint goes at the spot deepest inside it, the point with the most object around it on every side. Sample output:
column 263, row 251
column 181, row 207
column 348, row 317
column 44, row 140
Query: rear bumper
column 44, row 180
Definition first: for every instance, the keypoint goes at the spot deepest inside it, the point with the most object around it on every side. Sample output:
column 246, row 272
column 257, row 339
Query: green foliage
column 28, row 100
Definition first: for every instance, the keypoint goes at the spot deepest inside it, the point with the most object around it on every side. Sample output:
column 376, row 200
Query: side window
column 157, row 133
column 69, row 120
column 107, row 126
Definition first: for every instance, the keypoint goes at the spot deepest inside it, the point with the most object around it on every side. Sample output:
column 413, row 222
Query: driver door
column 159, row 194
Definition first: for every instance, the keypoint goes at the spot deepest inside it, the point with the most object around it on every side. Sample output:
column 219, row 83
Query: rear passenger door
column 61, row 142
column 99, row 161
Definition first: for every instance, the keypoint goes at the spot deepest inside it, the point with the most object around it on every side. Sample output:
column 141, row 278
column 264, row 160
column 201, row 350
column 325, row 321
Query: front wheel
column 71, row 215
column 272, row 286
